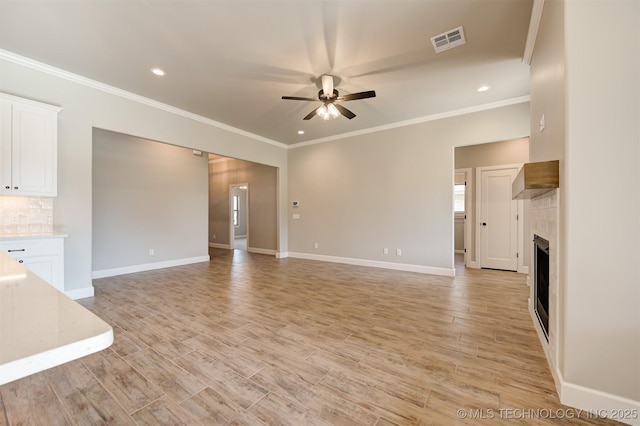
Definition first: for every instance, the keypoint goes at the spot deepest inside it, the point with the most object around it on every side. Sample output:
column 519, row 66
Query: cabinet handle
column 7, row 187
column 11, row 251
column 15, row 187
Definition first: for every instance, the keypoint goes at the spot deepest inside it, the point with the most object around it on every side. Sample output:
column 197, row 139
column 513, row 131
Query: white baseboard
column 602, row 404
column 523, row 270
column 147, row 267
column 474, row 265
column 592, row 402
column 80, row 293
column 220, row 246
column 261, row 251
column 282, row 255
column 377, row 264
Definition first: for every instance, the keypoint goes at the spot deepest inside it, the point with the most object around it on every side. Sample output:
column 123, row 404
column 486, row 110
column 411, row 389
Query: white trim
column 220, row 246
column 522, row 239
column 232, row 227
column 478, row 209
column 459, row 251
column 534, row 25
column 468, row 207
column 57, row 72
column 581, row 397
column 60, row 73
column 148, row 267
column 376, row 264
column 597, row 402
column 282, row 254
column 80, row 293
column 473, row 265
column 433, row 117
column 256, row 250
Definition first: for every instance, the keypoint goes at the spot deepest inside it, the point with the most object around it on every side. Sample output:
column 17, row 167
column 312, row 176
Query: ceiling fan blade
column 344, row 111
column 359, row 95
column 327, row 86
column 296, row 98
column 310, row 115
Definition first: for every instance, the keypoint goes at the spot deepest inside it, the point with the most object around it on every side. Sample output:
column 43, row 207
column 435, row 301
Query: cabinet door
column 5, row 147
column 34, row 162
column 43, row 266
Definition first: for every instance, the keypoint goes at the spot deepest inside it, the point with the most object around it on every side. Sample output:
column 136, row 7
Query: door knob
column 484, row 223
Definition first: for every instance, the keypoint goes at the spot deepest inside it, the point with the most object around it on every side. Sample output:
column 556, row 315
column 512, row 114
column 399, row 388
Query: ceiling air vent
column 448, row 40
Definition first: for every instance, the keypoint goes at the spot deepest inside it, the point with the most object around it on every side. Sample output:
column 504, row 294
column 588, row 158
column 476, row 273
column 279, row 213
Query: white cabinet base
column 44, row 256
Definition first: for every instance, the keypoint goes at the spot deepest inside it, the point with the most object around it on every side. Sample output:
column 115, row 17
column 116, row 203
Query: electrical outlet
column 152, row 252
column 315, row 245
column 385, row 250
column 398, row 252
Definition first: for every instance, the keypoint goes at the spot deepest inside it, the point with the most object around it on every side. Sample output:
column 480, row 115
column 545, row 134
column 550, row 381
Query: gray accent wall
column 146, row 195
column 392, row 188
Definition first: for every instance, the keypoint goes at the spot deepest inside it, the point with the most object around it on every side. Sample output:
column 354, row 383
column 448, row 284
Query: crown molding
column 534, row 25
column 84, row 81
column 433, row 117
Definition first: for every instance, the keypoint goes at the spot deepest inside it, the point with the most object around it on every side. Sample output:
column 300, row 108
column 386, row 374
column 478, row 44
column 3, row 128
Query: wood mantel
column 535, row 179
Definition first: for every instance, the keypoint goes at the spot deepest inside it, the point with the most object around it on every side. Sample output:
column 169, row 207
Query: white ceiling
column 231, row 61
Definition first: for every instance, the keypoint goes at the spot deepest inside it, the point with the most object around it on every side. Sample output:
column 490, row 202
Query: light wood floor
column 250, row 339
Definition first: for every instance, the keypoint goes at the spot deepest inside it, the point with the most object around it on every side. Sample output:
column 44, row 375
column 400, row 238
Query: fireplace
column 541, row 278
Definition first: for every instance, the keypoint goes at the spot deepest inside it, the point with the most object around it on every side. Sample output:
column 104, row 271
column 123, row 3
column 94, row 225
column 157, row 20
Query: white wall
column 588, row 89
column 601, row 342
column 86, row 107
column 146, row 195
column 389, row 189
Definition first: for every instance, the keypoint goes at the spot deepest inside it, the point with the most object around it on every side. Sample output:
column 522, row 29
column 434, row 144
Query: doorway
column 239, row 214
column 462, row 208
column 498, row 218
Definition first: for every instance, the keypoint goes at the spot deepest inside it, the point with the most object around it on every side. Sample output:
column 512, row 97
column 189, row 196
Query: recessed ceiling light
column 301, row 132
column 483, row 88
column 158, row 71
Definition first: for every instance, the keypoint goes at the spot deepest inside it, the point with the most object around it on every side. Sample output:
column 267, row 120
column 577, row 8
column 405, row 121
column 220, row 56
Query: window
column 236, row 209
column 458, row 198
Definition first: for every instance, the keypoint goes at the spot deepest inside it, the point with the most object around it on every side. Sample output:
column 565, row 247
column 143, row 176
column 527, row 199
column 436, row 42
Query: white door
column 498, row 220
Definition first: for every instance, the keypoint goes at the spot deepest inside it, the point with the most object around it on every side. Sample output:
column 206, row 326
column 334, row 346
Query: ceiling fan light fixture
column 328, row 111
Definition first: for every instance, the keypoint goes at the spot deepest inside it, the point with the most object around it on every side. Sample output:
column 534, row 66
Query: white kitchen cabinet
column 28, row 147
column 44, row 256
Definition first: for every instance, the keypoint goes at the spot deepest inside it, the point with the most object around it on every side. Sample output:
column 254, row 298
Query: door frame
column 469, row 207
column 231, row 226
column 478, row 209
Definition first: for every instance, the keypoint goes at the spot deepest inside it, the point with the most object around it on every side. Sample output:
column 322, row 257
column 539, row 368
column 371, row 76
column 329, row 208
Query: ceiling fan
column 329, row 96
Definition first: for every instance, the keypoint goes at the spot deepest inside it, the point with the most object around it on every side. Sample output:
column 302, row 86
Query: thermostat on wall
column 295, row 204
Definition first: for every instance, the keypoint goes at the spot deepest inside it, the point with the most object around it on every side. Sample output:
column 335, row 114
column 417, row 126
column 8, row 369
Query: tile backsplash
column 25, row 215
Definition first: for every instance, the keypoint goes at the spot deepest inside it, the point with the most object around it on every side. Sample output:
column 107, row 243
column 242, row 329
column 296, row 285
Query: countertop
column 41, row 327
column 28, row 236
